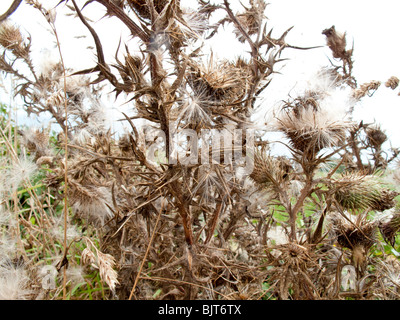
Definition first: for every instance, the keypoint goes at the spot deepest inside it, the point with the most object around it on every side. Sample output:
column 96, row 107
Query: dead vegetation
column 216, row 215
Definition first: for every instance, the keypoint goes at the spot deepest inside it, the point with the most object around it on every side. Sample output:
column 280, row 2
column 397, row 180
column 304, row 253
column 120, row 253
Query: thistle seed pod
column 222, row 82
column 89, row 201
column 269, row 170
column 356, row 191
column 251, row 19
column 337, row 43
column 386, row 200
column 357, row 234
column 36, row 141
column 142, row 9
column 392, row 82
column 390, row 228
column 311, row 129
column 12, row 39
column 376, row 137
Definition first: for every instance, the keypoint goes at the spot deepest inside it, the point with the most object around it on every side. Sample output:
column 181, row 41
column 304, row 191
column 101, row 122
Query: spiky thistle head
column 210, row 181
column 143, row 10
column 295, row 255
column 193, row 24
column 219, row 81
column 36, row 141
column 269, row 170
column 12, row 39
column 359, row 191
column 90, row 201
column 390, row 226
column 357, row 233
column 251, row 19
column 376, row 136
column 194, row 109
column 311, row 128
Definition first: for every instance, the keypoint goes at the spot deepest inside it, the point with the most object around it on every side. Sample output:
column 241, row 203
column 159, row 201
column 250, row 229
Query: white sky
column 372, row 26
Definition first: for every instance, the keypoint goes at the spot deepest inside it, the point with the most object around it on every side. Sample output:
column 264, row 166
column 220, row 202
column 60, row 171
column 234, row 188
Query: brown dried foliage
column 201, row 231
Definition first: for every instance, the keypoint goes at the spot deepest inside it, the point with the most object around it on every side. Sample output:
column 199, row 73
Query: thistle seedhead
column 356, row 233
column 220, row 82
column 36, row 141
column 143, row 10
column 359, row 191
column 21, row 171
column 251, row 19
column 14, row 280
column 12, row 39
column 90, row 201
column 196, row 110
column 376, row 136
column 311, row 129
column 194, row 23
column 269, row 170
column 392, row 82
column 295, row 255
column 337, row 43
column 390, row 228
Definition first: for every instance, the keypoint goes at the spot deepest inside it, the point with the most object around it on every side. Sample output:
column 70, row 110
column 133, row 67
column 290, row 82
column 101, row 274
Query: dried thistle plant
column 356, row 233
column 156, row 227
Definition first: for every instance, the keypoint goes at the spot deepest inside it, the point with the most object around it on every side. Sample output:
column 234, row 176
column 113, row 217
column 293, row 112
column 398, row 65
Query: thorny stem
column 120, row 14
column 356, row 150
column 305, row 192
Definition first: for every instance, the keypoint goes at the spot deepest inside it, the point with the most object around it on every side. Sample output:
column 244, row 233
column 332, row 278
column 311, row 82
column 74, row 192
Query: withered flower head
column 356, row 233
column 392, row 82
column 337, row 43
column 359, row 191
column 90, row 201
column 390, row 227
column 36, row 141
column 376, row 137
column 251, row 19
column 310, row 128
column 222, row 82
column 270, row 170
column 12, row 39
column 142, row 9
column 295, row 255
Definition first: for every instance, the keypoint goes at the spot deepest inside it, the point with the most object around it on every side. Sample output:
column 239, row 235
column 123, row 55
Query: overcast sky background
column 371, row 25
